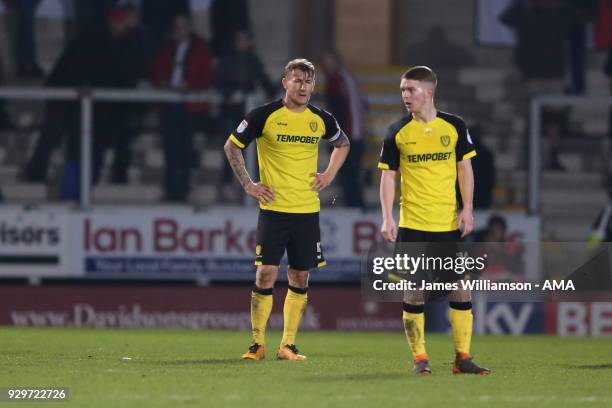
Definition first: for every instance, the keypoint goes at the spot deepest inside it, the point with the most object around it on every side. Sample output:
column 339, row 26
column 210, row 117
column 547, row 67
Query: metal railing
column 535, row 137
column 88, row 96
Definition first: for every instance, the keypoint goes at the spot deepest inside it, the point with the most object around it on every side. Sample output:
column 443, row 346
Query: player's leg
column 460, row 302
column 261, row 307
column 461, row 320
column 272, row 235
column 413, row 315
column 304, row 253
column 293, row 310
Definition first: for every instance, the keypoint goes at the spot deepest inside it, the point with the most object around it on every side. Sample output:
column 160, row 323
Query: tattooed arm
column 341, row 150
column 258, row 191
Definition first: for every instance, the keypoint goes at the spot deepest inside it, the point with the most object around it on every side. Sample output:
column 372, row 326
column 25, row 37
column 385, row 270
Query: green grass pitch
column 345, row 369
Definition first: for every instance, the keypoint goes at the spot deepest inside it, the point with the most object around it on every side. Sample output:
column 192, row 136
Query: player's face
column 298, row 87
column 417, row 95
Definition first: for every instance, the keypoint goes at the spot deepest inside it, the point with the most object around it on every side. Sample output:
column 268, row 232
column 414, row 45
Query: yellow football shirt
column 426, row 155
column 287, row 150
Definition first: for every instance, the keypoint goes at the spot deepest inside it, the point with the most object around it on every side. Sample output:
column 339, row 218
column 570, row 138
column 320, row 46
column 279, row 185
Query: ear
column 431, row 90
column 284, row 82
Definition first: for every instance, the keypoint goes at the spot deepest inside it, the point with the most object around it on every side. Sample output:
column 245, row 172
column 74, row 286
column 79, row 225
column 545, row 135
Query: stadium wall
column 179, row 242
column 217, row 245
column 227, row 308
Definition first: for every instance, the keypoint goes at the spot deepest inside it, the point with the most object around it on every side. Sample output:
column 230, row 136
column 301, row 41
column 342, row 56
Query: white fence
column 88, row 96
column 535, row 137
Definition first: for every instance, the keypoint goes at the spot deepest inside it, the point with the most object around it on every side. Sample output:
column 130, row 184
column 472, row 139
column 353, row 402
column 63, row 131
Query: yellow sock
column 295, row 304
column 461, row 318
column 414, row 327
column 261, row 306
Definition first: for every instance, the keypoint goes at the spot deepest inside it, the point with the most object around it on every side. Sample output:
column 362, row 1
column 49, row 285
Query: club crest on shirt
column 313, row 126
column 445, row 140
column 243, row 125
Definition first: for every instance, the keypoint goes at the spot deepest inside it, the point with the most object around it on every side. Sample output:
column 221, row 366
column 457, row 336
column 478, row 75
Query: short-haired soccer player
column 431, row 150
column 287, row 133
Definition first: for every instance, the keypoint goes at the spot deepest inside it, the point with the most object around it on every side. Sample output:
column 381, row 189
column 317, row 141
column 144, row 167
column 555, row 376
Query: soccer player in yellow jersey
column 287, row 133
column 431, row 150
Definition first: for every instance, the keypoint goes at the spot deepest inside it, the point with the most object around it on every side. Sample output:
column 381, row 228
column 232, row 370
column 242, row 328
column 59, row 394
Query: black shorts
column 299, row 234
column 434, row 244
column 411, row 235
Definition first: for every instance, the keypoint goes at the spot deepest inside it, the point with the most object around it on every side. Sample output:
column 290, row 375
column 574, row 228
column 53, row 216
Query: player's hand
column 321, row 181
column 466, row 222
column 260, row 192
column 389, row 230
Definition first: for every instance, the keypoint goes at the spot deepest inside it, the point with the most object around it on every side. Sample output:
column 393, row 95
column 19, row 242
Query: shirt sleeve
column 389, row 155
column 332, row 128
column 249, row 129
column 464, row 149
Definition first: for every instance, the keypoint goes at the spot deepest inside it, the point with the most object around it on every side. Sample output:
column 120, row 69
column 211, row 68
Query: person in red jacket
column 184, row 63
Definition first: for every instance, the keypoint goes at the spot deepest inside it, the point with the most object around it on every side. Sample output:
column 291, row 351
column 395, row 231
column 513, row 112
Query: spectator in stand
column 85, row 15
column 503, row 251
column 579, row 14
column 541, row 48
column 157, row 17
column 227, row 17
column 24, row 47
column 608, row 72
column 483, row 166
column 238, row 74
column 603, row 40
column 345, row 101
column 137, row 58
column 184, row 63
column 601, row 230
column 60, row 117
column 603, row 33
column 119, row 62
column 5, row 120
column 495, row 231
column 541, row 28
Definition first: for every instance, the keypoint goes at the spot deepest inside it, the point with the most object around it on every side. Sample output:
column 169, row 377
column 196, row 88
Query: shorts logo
column 313, row 126
column 242, row 126
column 258, row 250
column 319, row 250
column 445, row 140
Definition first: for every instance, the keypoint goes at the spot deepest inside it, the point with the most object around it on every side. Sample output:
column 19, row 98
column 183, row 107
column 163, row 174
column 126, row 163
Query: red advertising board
column 579, row 318
column 184, row 307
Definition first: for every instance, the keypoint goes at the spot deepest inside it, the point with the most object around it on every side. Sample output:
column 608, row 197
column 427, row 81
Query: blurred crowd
column 550, row 54
column 153, row 44
column 128, row 44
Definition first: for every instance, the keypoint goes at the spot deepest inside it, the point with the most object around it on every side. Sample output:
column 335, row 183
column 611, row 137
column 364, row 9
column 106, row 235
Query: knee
column 414, row 297
column 460, row 296
column 266, row 276
column 298, row 278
